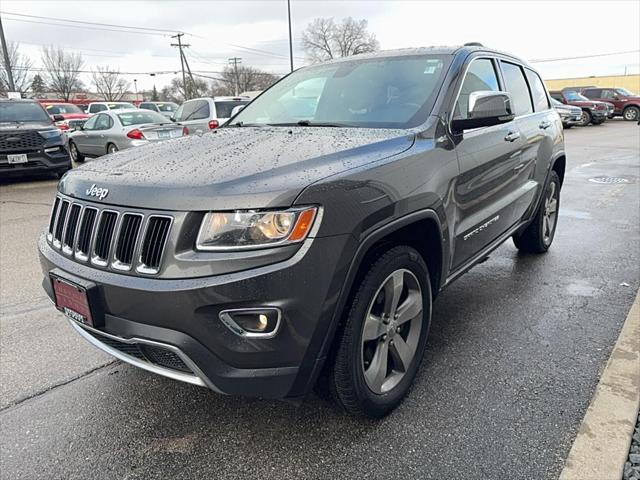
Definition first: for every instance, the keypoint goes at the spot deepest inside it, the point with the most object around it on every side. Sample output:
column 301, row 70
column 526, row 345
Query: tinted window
column 517, row 86
column 148, row 106
column 557, row 96
column 480, row 76
column 383, row 92
column 138, row 118
column 97, row 107
column 117, row 106
column 103, row 122
column 540, row 100
column 592, row 93
column 22, row 112
column 223, row 109
column 193, row 110
column 574, row 96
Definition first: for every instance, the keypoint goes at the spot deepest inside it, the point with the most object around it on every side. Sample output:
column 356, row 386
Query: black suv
column 29, row 141
column 303, row 243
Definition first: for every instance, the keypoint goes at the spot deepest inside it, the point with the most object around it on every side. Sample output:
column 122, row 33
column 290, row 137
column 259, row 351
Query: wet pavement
column 514, row 356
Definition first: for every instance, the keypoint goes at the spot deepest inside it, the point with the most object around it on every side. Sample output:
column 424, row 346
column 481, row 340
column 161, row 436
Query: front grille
column 147, row 353
column 104, row 235
column 121, row 241
column 20, row 141
column 155, row 239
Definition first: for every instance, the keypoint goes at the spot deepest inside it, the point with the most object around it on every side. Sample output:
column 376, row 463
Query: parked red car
column 626, row 104
column 73, row 115
column 592, row 111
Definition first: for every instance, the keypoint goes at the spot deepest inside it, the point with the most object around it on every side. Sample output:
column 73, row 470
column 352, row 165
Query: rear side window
column 480, row 76
column 538, row 93
column 517, row 86
column 97, row 108
column 104, row 122
column 223, row 109
column 193, row 110
column 608, row 94
column 592, row 93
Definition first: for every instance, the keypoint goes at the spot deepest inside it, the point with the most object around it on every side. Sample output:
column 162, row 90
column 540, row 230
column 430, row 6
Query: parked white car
column 96, row 107
column 207, row 113
column 165, row 108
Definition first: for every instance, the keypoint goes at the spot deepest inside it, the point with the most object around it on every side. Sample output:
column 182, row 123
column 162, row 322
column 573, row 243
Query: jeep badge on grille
column 94, row 191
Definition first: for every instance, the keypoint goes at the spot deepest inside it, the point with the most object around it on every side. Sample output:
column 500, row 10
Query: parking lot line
column 602, row 443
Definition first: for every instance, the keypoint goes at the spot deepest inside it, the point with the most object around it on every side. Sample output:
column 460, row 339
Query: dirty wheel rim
column 584, row 121
column 391, row 331
column 550, row 213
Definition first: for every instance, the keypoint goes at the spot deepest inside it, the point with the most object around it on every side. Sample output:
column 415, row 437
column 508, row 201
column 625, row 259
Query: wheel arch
column 560, row 166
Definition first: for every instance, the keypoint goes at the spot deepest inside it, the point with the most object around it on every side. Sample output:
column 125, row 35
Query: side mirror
column 236, row 110
column 58, row 118
column 486, row 108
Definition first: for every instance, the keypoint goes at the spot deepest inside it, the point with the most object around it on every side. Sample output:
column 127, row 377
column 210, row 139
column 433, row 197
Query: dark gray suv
column 303, row 243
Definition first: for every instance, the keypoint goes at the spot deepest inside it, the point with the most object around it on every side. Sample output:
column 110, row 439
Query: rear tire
column 76, row 156
column 381, row 347
column 538, row 236
column 567, row 127
column 112, row 148
column 631, row 113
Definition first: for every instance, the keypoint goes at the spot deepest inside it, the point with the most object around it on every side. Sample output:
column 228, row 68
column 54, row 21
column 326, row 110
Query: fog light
column 252, row 322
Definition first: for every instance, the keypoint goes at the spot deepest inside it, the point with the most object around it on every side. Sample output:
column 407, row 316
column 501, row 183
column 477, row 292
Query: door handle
column 544, row 124
column 512, row 136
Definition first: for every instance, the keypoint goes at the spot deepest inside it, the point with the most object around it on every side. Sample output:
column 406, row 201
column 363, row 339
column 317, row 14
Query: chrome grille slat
column 109, row 237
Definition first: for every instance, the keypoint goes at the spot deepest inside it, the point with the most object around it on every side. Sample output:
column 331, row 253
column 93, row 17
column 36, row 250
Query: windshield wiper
column 309, row 123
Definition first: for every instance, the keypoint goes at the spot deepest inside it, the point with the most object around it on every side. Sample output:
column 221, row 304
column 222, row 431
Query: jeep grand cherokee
column 303, row 244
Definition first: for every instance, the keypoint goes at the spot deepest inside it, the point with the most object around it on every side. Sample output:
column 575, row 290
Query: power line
column 83, row 22
column 543, row 60
column 87, row 28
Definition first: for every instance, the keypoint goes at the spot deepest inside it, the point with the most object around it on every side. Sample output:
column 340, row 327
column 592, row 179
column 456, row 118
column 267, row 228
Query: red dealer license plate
column 72, row 300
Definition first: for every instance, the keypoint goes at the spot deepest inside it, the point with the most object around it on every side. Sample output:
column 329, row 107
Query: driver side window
column 481, row 76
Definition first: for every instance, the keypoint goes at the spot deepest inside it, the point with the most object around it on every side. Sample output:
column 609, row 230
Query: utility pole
column 235, row 61
column 180, row 46
column 290, row 39
column 7, row 63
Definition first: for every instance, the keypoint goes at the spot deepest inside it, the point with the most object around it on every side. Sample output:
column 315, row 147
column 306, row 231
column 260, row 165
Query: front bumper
column 37, row 162
column 182, row 316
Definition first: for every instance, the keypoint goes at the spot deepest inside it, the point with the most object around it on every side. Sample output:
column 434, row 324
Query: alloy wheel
column 630, row 114
column 74, row 152
column 550, row 214
column 391, row 331
column 112, row 149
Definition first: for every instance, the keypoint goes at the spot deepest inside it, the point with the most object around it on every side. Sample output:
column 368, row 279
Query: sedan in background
column 72, row 114
column 113, row 130
column 204, row 114
column 97, row 107
column 164, row 108
column 569, row 114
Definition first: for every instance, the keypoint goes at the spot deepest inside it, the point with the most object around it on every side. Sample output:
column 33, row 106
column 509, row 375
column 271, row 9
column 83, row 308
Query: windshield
column 575, row 96
column 62, row 108
column 118, row 106
column 22, row 112
column 167, row 107
column 625, row 93
column 138, row 118
column 223, row 109
column 380, row 92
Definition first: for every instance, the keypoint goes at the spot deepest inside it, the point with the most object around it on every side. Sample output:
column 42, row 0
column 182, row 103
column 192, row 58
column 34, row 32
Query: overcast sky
column 256, row 31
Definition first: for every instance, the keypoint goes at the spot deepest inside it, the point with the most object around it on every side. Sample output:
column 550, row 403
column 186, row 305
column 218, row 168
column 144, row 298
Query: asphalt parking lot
column 514, row 356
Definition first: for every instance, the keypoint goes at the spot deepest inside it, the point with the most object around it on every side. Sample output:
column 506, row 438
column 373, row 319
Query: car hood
column 7, row 127
column 231, row 168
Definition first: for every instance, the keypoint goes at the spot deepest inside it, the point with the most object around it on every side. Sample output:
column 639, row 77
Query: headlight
column 48, row 134
column 245, row 230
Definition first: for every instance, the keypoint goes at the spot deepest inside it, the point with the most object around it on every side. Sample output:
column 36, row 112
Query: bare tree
column 324, row 39
column 109, row 84
column 20, row 67
column 176, row 93
column 62, row 71
column 245, row 78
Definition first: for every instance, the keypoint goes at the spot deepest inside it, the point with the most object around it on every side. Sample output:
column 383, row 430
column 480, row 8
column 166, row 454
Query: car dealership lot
column 515, row 352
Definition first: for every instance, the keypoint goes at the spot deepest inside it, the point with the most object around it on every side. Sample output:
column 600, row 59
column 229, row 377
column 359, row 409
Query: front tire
column 631, row 113
column 76, row 156
column 384, row 337
column 538, row 236
column 586, row 118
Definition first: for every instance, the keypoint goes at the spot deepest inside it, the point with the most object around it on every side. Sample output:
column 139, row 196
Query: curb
column 602, row 443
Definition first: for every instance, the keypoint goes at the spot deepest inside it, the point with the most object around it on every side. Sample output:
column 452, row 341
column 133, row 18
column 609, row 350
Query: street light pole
column 290, row 39
column 7, row 64
column 135, row 86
